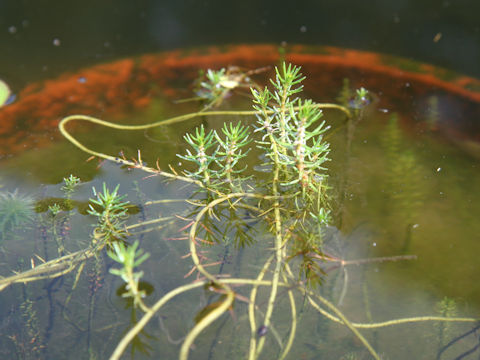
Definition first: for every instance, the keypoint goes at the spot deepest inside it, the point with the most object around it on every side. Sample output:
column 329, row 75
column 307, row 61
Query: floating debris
column 437, row 37
column 262, row 331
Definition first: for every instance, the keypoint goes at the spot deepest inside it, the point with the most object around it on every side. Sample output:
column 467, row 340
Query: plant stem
column 251, row 310
column 278, row 244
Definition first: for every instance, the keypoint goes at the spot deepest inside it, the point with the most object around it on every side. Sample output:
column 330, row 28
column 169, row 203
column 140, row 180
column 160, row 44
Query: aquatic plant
column 130, row 258
column 446, row 307
column 292, row 142
column 215, row 86
column 290, row 201
column 70, row 185
column 405, row 187
column 110, row 210
column 27, row 340
column 54, row 209
column 16, row 209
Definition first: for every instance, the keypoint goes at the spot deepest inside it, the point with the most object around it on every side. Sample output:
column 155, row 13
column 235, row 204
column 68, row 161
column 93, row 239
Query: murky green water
column 400, row 189
column 405, row 188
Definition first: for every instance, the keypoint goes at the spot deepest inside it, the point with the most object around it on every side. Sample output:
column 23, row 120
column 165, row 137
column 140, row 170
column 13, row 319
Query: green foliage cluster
column 111, row 212
column 404, row 181
column 212, row 90
column 217, row 159
column 16, row 209
column 291, row 200
column 70, row 185
column 290, row 132
column 129, row 257
column 291, row 138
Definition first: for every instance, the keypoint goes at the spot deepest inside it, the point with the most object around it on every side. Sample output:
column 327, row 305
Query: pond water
column 404, row 180
column 404, row 177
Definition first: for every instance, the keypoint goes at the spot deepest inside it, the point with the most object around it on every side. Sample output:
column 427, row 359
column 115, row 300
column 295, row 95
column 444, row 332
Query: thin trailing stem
column 212, row 316
column 293, row 327
column 346, row 322
column 122, row 345
column 278, row 254
column 251, row 310
column 136, row 164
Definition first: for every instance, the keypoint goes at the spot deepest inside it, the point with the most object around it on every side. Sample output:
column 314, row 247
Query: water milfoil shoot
column 292, row 132
column 229, row 151
column 130, row 257
column 216, row 157
column 216, row 85
column 201, row 142
column 70, row 185
column 305, row 143
column 111, row 212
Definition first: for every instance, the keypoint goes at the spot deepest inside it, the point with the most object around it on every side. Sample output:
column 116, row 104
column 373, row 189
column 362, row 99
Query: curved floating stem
column 170, row 121
column 134, row 331
column 251, row 310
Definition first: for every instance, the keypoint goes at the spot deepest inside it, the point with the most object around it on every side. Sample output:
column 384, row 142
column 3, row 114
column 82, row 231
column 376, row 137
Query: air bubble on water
column 56, row 42
column 303, row 29
column 12, row 29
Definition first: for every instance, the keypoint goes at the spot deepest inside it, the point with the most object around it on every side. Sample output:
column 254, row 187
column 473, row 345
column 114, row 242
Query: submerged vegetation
column 16, row 210
column 287, row 195
column 404, row 181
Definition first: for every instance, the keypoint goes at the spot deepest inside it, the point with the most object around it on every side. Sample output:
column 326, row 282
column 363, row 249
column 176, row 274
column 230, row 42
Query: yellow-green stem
column 278, row 244
column 251, row 310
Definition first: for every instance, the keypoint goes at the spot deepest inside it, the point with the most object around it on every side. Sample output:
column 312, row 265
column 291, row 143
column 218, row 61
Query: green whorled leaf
column 117, row 272
column 142, row 258
column 4, row 93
